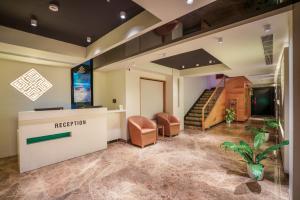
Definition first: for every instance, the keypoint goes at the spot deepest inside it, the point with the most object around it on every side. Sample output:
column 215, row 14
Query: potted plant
column 261, row 130
column 230, row 116
column 269, row 124
column 253, row 155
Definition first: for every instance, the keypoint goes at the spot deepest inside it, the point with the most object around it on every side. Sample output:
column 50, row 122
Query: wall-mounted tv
column 82, row 85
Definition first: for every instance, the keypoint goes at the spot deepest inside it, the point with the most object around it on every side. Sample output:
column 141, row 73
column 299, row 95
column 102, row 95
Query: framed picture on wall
column 82, row 85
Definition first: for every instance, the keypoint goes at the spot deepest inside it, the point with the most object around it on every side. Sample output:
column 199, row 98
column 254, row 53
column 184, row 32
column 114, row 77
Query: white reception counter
column 47, row 137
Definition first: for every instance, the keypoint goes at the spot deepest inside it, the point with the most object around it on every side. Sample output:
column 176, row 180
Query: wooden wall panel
column 238, row 89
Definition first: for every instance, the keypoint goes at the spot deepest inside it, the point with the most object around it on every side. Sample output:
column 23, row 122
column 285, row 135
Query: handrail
column 208, row 101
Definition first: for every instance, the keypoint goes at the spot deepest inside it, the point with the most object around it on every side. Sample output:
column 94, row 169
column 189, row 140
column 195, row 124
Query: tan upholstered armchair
column 142, row 131
column 171, row 123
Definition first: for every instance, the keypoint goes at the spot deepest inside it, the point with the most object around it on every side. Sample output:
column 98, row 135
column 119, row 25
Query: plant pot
column 252, row 176
column 228, row 123
column 267, row 136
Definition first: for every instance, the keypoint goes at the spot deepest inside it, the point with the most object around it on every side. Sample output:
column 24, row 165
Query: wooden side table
column 161, row 127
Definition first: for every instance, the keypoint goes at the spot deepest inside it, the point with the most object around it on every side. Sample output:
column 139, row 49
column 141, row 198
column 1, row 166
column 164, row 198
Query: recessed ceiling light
column 123, row 15
column 108, row 1
column 220, row 40
column 210, row 61
column 267, row 28
column 189, row 2
column 98, row 51
column 182, row 66
column 33, row 22
column 197, row 65
column 89, row 39
column 54, row 7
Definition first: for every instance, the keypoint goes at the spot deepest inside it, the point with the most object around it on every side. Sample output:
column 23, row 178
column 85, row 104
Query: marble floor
column 189, row 166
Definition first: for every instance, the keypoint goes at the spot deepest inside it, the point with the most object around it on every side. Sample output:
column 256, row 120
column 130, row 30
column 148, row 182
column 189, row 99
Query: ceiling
column 75, row 21
column 57, row 50
column 187, row 60
column 215, row 14
column 241, row 51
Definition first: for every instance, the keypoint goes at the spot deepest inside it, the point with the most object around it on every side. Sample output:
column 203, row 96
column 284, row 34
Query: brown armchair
column 142, row 131
column 170, row 123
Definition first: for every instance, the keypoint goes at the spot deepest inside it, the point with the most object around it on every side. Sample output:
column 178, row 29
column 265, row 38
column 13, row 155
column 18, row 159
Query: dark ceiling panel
column 75, row 20
column 192, row 59
column 223, row 12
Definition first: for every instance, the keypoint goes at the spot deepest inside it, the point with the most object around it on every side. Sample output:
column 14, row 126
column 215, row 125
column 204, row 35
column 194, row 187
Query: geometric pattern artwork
column 32, row 84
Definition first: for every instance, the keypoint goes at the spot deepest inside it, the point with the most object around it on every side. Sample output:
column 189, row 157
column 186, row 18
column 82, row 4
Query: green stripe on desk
column 48, row 137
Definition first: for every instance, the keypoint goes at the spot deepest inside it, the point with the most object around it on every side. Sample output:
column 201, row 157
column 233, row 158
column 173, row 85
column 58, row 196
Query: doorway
column 262, row 101
column 152, row 97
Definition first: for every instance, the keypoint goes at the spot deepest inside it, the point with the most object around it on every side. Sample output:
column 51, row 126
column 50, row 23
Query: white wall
column 115, row 87
column 100, row 89
column 178, row 94
column 108, row 86
column 13, row 101
column 133, row 92
column 133, row 89
column 151, row 106
column 193, row 88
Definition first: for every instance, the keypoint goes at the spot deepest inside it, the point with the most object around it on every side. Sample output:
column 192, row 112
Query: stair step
column 198, row 107
column 192, row 127
column 202, row 101
column 197, row 119
column 194, row 114
column 193, row 119
column 193, row 123
column 199, row 111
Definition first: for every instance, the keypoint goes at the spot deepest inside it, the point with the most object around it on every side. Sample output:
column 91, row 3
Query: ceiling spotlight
column 182, row 66
column 267, row 28
column 123, row 15
column 98, row 51
column 189, row 2
column 210, row 61
column 54, row 7
column 33, row 22
column 197, row 65
column 89, row 39
column 108, row 1
column 220, row 40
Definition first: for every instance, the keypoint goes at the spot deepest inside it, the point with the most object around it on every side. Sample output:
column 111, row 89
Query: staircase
column 205, row 103
column 193, row 119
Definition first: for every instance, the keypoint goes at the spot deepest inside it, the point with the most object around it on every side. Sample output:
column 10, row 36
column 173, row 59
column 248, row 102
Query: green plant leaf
column 263, row 155
column 272, row 123
column 257, row 170
column 246, row 147
column 230, row 115
column 259, row 139
column 243, row 150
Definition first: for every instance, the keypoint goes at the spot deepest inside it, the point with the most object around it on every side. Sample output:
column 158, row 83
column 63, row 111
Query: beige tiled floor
column 190, row 166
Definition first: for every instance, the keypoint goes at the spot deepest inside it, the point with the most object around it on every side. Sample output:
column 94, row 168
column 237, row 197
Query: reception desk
column 116, row 125
column 47, row 137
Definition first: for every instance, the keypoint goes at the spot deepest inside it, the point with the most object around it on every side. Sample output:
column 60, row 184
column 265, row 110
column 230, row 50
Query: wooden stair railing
column 212, row 97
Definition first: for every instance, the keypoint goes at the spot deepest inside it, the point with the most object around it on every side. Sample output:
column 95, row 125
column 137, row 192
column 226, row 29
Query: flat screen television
column 82, row 85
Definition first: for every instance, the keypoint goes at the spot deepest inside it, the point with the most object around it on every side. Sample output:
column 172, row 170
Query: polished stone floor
column 190, row 166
